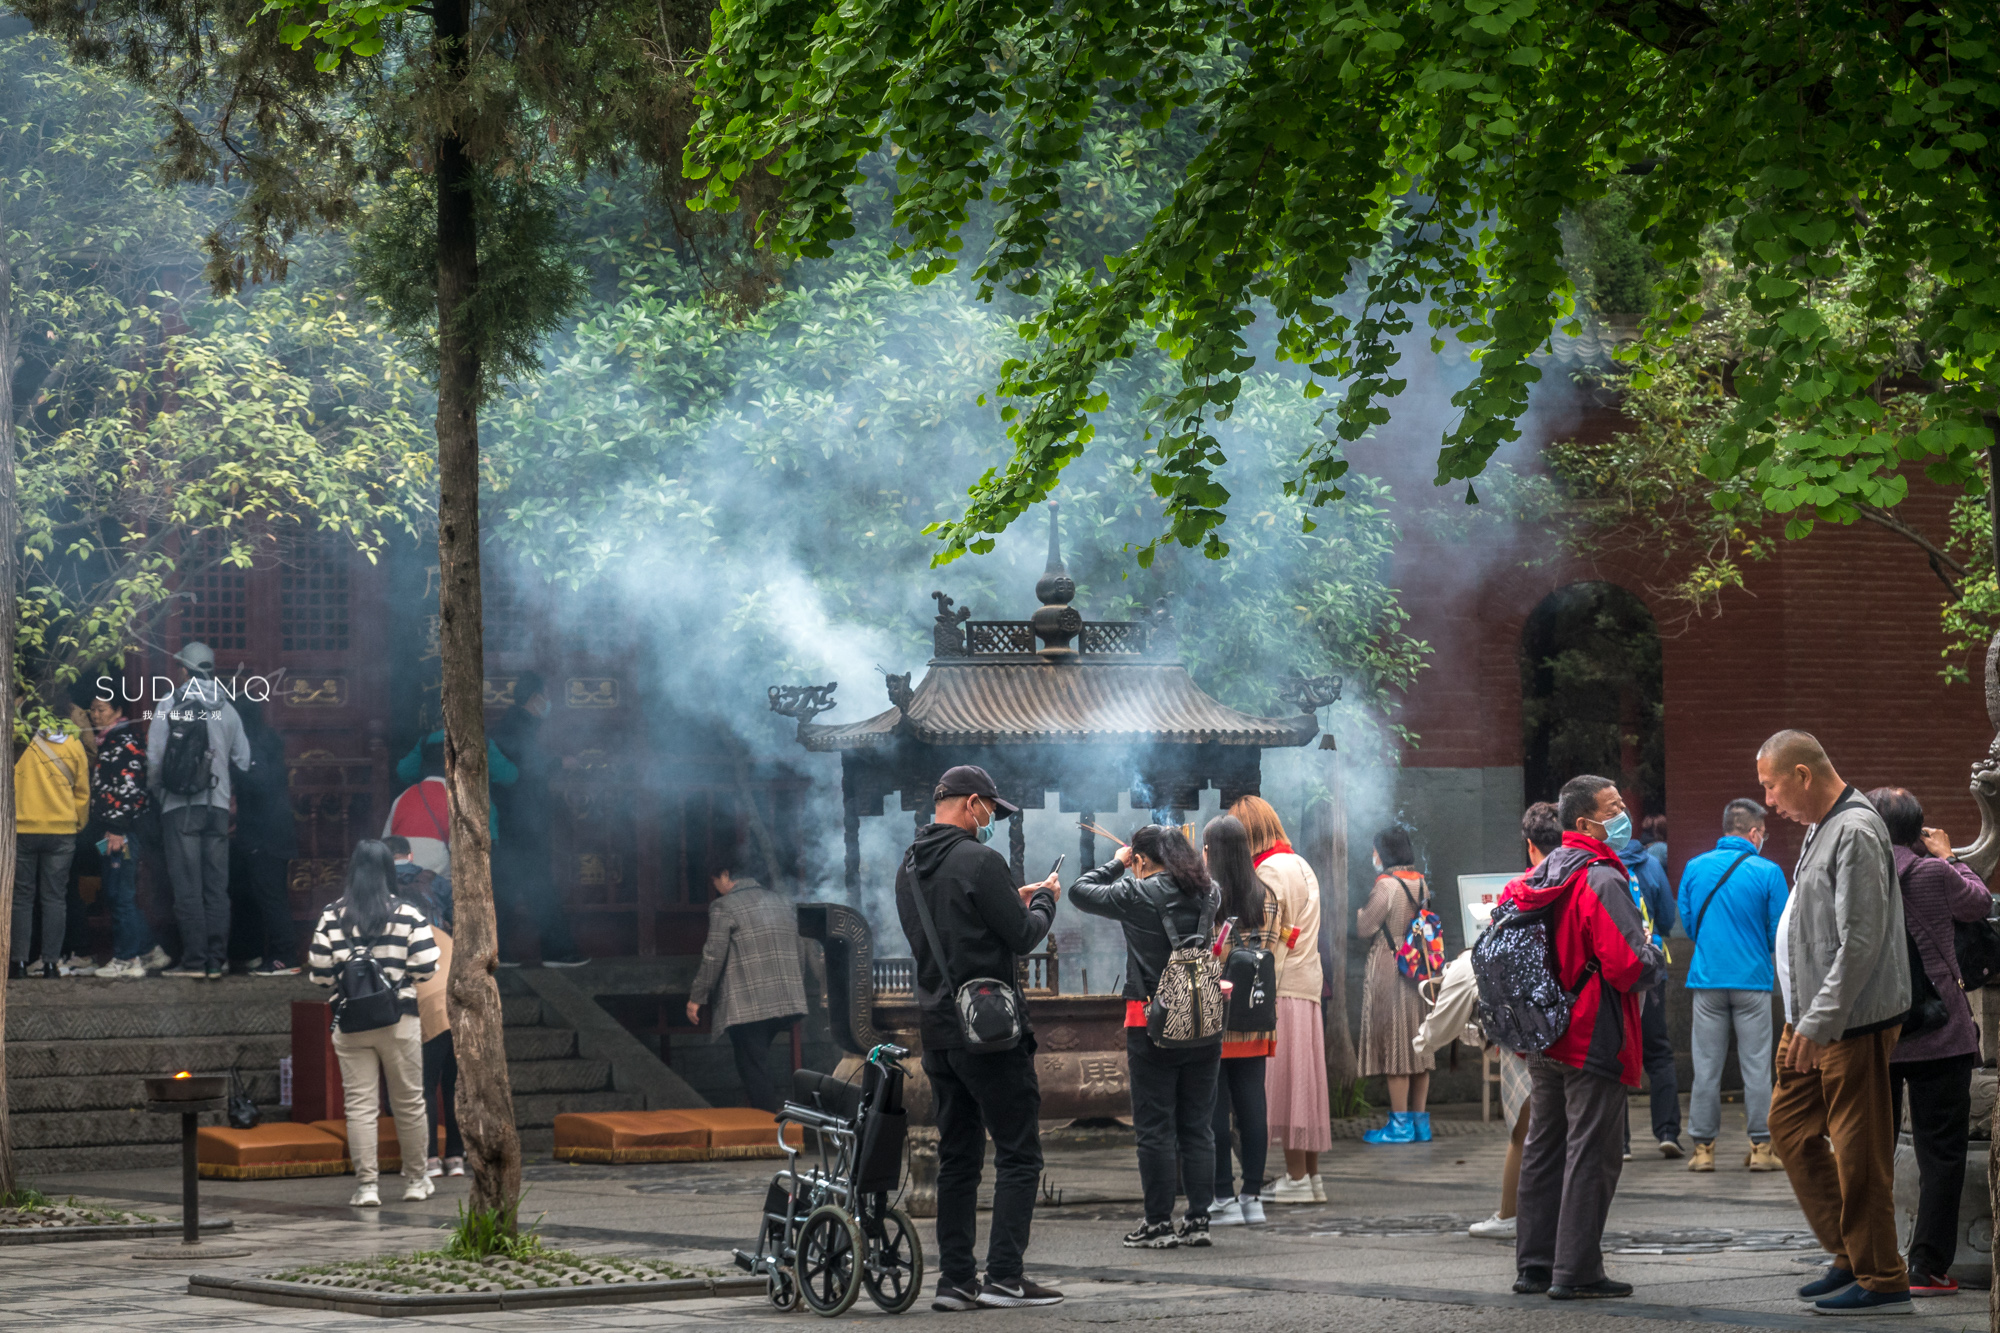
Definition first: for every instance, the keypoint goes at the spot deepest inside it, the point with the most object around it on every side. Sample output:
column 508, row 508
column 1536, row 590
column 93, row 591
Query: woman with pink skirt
column 1295, row 1078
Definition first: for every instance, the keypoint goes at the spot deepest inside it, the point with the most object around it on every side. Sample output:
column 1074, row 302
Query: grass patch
column 27, row 1207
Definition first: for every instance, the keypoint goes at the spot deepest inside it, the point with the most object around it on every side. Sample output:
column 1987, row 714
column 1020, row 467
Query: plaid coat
column 753, row 953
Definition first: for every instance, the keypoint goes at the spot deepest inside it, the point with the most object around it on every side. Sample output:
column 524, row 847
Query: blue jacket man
column 1663, row 1093
column 1730, row 901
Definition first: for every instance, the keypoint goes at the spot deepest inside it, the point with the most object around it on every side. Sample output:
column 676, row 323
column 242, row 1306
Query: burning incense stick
column 1101, row 832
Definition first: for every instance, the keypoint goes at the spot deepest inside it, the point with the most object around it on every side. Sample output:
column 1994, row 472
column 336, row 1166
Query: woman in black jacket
column 1156, row 881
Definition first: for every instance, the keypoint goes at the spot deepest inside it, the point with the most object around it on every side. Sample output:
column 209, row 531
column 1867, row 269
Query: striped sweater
column 403, row 946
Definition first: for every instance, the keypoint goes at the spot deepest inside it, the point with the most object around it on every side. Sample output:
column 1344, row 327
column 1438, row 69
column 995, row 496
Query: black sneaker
column 274, row 968
column 1152, row 1236
column 17, row 971
column 1599, row 1290
column 50, row 971
column 1194, row 1231
column 1007, row 1294
column 1532, row 1281
column 951, row 1297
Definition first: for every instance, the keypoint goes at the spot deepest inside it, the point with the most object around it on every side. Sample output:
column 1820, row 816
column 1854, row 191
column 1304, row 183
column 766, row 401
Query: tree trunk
column 9, row 536
column 1325, row 831
column 485, row 1100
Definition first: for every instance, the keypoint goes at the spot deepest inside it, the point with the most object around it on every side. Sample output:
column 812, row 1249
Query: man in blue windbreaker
column 1730, row 901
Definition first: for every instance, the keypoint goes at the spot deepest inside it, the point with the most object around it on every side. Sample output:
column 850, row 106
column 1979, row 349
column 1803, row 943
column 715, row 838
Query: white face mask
column 1377, row 859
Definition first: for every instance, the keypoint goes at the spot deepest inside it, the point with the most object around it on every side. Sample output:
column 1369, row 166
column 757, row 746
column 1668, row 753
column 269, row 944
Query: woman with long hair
column 1225, row 848
column 1295, row 1079
column 370, row 921
column 1158, row 889
column 1391, row 1007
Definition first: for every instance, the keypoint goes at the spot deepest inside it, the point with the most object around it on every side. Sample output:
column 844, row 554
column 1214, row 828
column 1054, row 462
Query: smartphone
column 1058, row 865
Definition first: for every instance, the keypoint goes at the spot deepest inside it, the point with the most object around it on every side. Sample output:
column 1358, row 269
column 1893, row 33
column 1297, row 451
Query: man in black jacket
column 983, row 924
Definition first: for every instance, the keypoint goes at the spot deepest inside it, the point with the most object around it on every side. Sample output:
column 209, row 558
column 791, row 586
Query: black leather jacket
column 1112, row 891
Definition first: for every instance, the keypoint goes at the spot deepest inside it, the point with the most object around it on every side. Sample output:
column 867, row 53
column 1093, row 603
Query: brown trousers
column 1845, row 1188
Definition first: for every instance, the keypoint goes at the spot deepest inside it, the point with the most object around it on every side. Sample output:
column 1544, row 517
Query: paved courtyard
column 1388, row 1251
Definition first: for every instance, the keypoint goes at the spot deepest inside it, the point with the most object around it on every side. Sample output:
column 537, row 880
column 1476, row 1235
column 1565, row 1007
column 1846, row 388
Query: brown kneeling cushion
column 268, row 1152
column 744, row 1131
column 630, row 1136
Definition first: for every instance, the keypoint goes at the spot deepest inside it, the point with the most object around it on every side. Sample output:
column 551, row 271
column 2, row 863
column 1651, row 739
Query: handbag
column 988, row 1009
column 243, row 1112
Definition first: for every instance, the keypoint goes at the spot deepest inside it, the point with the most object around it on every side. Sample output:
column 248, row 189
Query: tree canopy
column 1366, row 167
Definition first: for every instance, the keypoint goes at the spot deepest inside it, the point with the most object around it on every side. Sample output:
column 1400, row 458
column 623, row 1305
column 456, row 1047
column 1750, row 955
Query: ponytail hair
column 1168, row 848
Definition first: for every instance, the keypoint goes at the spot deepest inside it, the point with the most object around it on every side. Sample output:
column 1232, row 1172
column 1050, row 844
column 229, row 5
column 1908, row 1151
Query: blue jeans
column 131, row 933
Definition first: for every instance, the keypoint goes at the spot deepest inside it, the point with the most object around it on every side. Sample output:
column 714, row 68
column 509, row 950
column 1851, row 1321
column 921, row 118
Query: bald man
column 1844, row 969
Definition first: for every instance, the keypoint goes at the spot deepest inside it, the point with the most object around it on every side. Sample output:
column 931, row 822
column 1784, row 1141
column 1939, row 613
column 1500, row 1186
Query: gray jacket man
column 1841, row 957
column 1844, row 968
column 751, row 965
column 195, row 825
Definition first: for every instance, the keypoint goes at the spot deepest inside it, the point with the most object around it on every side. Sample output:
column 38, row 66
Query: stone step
column 145, row 1055
column 539, row 1043
column 124, row 1022
column 113, row 1092
column 536, row 1110
column 535, row 1076
column 520, row 1011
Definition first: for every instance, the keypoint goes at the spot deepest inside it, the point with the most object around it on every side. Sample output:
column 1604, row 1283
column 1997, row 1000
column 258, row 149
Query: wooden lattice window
column 214, row 599
column 313, row 595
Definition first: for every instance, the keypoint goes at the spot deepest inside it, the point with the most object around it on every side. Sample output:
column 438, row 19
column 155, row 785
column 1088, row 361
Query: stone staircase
column 77, row 1048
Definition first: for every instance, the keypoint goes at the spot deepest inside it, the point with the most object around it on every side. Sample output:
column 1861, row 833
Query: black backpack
column 364, row 1001
column 1522, row 1004
column 184, row 768
column 1252, row 974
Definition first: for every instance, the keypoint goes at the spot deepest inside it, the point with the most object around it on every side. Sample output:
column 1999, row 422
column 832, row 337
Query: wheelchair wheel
column 828, row 1267
column 783, row 1292
column 893, row 1270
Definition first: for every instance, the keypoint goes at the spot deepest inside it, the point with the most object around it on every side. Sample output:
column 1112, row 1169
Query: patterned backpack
column 1186, row 1008
column 1420, row 956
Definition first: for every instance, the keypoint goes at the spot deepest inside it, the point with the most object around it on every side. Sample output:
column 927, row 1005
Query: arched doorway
column 1591, row 697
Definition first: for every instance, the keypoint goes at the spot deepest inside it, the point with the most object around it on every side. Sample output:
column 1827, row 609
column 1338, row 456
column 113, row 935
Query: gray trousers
column 1569, row 1171
column 1716, row 1014
column 41, row 869
column 197, row 838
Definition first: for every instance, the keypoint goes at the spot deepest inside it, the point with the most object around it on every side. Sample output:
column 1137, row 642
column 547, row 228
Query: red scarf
column 1279, row 846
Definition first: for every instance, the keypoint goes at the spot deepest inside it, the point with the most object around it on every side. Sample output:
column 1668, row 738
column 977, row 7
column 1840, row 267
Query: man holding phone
column 982, row 923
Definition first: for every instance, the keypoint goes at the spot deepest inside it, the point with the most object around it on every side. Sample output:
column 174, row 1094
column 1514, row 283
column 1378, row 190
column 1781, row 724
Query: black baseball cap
column 972, row 780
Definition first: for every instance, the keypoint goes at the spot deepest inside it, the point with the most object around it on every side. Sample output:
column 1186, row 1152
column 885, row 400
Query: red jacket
column 1596, row 922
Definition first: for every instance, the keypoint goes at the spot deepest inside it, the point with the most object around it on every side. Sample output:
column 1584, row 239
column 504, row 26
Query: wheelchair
column 830, row 1230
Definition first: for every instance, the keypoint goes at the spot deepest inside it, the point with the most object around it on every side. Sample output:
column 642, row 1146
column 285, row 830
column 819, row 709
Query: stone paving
column 1387, row 1252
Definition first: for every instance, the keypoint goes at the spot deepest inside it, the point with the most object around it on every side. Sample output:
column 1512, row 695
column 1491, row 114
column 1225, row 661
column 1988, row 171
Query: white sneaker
column 454, row 1166
column 77, row 965
column 1290, row 1189
column 416, row 1191
column 1495, row 1227
column 1253, row 1209
column 433, row 1168
column 365, row 1196
column 122, row 967
column 154, row 961
column 1319, row 1188
column 1226, row 1214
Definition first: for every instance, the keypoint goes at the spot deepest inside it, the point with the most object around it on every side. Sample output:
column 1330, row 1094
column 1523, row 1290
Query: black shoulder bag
column 988, row 1009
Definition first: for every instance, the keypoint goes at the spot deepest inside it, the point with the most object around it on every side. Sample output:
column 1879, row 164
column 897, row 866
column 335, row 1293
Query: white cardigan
column 1291, row 880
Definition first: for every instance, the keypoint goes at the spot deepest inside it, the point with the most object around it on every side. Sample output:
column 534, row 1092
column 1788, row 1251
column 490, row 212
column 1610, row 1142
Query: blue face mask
column 1618, row 831
column 985, row 833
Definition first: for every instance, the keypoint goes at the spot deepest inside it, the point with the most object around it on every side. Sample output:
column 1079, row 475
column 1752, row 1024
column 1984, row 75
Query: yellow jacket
column 48, row 799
